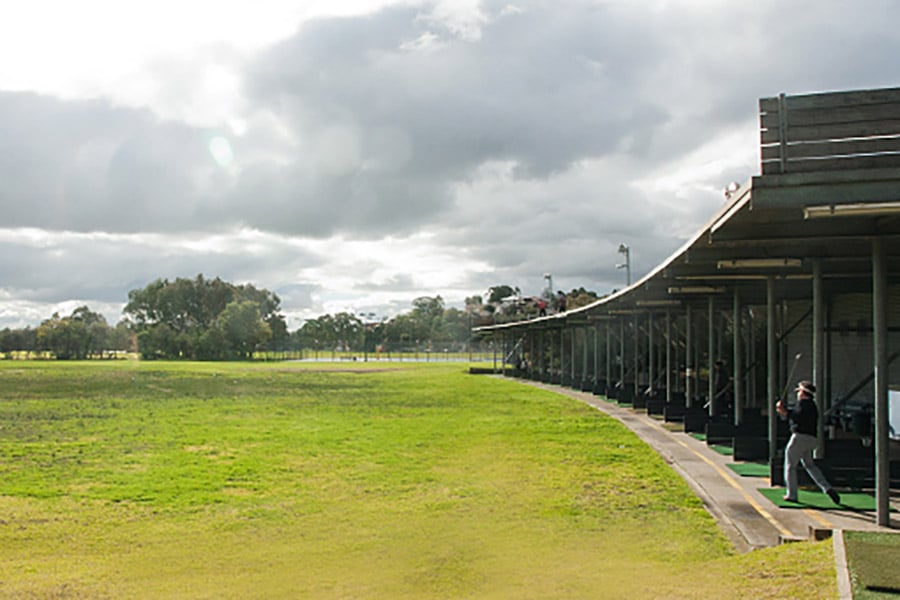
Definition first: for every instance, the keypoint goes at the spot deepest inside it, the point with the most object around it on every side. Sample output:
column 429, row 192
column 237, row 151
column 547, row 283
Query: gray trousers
column 800, row 450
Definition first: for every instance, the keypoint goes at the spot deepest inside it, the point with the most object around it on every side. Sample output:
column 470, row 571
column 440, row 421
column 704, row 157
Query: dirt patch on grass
column 357, row 370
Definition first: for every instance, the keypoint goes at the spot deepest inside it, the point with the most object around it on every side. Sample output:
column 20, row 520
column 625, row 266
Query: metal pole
column 651, row 353
column 608, row 374
column 574, row 338
column 622, row 353
column 738, row 361
column 880, row 340
column 540, row 355
column 562, row 355
column 637, row 355
column 596, row 356
column 771, row 367
column 711, row 349
column 818, row 355
column 668, row 356
column 688, row 359
column 584, row 332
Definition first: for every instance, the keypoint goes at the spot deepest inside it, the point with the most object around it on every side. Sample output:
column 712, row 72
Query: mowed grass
column 183, row 480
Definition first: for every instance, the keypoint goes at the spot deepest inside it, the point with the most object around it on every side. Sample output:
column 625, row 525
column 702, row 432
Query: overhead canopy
column 831, row 184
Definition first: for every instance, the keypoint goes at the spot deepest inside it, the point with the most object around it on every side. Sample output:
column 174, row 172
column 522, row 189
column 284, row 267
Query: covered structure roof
column 831, row 184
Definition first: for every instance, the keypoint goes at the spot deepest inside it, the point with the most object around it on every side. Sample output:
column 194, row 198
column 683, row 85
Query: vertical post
column 540, row 355
column 637, row 355
column 584, row 348
column 531, row 354
column 880, row 339
column 771, row 368
column 737, row 387
column 596, row 356
column 752, row 398
column 548, row 374
column 668, row 356
column 688, row 359
column 574, row 339
column 818, row 354
column 711, row 349
column 494, row 351
column 608, row 372
column 622, row 352
column 782, row 133
column 651, row 353
column 562, row 355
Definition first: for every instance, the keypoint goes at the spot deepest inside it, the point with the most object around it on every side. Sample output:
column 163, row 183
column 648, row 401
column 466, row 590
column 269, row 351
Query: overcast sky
column 352, row 156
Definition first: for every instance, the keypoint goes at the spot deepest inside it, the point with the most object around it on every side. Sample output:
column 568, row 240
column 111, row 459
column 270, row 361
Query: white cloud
column 355, row 155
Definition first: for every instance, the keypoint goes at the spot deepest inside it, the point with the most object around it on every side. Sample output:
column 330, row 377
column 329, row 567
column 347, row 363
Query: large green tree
column 242, row 327
column 191, row 318
column 78, row 336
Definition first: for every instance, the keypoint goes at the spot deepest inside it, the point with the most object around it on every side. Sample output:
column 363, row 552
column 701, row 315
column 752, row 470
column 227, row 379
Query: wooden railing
column 831, row 131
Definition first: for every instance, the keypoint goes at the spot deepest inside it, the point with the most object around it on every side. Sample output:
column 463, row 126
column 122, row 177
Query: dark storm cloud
column 543, row 88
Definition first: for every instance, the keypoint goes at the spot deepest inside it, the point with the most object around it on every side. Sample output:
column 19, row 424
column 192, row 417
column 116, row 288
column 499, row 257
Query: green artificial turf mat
column 724, row 450
column 873, row 558
column 816, row 499
column 698, row 436
column 749, row 469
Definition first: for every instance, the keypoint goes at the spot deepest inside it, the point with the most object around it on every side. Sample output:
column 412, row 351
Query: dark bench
column 695, row 419
column 674, row 411
column 638, row 399
column 656, row 402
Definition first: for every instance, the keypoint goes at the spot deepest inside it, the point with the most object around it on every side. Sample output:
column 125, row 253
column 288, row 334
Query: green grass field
column 129, row 479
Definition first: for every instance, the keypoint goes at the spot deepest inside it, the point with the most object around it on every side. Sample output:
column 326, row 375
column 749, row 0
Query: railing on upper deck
column 830, row 131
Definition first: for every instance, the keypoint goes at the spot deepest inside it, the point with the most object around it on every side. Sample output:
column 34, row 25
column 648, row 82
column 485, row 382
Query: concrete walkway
column 748, row 518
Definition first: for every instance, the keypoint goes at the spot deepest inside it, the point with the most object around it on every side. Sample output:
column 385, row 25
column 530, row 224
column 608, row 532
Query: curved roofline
column 725, row 212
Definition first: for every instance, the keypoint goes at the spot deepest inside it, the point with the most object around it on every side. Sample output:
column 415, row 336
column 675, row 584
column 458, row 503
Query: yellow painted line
column 750, row 500
column 822, row 520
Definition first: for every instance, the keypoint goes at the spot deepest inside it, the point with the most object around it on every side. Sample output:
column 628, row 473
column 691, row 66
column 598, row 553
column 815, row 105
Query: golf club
column 790, row 377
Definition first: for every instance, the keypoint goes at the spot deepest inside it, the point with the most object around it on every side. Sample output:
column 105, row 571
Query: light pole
column 626, row 251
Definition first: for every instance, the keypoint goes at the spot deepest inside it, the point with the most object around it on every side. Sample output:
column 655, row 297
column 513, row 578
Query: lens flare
column 220, row 149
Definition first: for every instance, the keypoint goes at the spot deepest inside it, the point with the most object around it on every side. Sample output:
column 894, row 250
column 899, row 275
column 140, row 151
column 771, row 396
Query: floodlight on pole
column 626, row 251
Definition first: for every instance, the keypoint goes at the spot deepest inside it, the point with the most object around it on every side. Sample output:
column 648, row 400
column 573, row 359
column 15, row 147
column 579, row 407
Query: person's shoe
column 787, row 499
column 835, row 497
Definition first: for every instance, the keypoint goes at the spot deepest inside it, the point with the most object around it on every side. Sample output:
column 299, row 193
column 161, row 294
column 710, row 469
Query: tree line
column 211, row 319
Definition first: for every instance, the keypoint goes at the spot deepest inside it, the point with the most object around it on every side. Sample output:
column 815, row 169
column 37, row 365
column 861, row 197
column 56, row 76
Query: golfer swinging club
column 804, row 419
